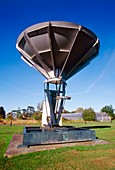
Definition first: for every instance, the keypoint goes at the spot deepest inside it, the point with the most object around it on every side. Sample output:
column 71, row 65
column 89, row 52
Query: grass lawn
column 99, row 157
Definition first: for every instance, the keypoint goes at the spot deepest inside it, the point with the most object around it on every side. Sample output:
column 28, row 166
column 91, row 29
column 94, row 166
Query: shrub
column 37, row 115
column 88, row 114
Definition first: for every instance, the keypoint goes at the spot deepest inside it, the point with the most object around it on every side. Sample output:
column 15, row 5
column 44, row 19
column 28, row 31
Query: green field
column 99, row 157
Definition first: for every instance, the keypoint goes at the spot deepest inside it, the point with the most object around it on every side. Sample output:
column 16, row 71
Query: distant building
column 102, row 117
column 72, row 116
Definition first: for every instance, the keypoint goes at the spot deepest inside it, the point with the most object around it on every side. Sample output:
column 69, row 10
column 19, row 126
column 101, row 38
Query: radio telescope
column 58, row 50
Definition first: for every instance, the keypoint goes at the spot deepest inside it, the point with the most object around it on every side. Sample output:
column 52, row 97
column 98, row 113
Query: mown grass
column 99, row 157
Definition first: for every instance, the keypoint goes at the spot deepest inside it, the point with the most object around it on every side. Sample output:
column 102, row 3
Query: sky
column 22, row 86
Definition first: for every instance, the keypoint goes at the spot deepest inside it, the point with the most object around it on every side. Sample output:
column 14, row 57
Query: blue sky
column 21, row 85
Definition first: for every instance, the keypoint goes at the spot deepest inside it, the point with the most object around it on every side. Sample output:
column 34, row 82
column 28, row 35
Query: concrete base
column 37, row 136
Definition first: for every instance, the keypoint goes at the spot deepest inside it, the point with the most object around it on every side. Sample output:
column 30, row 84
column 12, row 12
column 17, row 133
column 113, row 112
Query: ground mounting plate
column 65, row 134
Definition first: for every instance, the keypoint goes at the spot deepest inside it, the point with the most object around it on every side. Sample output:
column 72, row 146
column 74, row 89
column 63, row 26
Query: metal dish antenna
column 58, row 50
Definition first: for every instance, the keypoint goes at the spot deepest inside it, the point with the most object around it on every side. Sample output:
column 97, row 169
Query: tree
column 24, row 111
column 37, row 116
column 110, row 110
column 65, row 111
column 79, row 110
column 30, row 110
column 2, row 112
column 88, row 115
column 23, row 116
column 10, row 115
column 18, row 112
column 40, row 106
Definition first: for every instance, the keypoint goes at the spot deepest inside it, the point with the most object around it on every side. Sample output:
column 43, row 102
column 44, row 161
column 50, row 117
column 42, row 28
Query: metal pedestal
column 37, row 136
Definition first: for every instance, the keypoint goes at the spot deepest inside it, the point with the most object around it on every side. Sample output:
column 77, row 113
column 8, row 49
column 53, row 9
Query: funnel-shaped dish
column 58, row 49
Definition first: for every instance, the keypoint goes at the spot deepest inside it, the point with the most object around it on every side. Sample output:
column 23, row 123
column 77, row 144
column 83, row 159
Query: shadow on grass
column 96, row 127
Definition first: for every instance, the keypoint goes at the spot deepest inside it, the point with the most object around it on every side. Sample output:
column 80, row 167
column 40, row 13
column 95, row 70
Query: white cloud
column 107, row 70
column 109, row 65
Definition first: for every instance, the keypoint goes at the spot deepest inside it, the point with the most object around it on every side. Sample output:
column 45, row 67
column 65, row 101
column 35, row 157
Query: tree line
column 87, row 114
column 26, row 114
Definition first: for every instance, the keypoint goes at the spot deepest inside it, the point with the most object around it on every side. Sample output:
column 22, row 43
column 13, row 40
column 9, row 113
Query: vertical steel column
column 62, row 101
column 56, row 99
column 50, row 99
